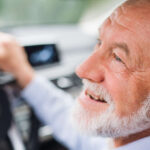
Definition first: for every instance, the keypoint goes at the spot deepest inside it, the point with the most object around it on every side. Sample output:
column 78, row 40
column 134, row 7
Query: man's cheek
column 139, row 89
column 118, row 89
column 116, row 84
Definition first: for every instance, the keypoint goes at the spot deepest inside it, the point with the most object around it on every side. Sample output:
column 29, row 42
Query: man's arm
column 51, row 105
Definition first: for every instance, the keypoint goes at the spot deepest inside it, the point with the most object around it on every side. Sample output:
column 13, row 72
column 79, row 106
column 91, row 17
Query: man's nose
column 91, row 69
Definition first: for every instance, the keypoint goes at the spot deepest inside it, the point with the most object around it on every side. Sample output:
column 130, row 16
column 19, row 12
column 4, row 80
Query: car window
column 22, row 12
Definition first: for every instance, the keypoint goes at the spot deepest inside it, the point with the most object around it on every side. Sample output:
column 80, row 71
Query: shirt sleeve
column 52, row 106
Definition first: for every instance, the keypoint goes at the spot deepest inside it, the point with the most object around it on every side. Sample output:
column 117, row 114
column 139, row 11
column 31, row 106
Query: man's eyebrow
column 122, row 46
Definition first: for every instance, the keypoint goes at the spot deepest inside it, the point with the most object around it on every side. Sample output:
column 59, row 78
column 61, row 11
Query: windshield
column 31, row 12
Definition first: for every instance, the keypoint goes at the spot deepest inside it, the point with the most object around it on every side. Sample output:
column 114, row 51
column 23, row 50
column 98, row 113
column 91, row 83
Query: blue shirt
column 52, row 106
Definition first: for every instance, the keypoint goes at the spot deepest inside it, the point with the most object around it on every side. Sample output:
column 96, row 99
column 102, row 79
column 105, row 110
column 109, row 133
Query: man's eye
column 117, row 58
column 99, row 42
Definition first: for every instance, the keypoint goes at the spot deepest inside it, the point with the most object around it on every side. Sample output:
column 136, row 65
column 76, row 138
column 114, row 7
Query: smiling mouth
column 95, row 98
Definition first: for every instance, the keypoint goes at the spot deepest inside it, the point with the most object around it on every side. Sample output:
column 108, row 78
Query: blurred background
column 54, row 12
column 57, row 36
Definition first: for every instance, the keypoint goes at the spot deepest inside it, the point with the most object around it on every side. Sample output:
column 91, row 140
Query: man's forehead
column 136, row 21
column 115, row 17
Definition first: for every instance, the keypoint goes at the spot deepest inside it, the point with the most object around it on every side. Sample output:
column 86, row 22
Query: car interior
column 57, row 35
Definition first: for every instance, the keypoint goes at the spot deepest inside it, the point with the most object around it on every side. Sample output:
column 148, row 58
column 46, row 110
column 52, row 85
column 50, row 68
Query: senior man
column 115, row 101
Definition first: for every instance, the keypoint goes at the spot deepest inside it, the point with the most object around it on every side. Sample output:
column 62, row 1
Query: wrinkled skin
column 121, row 62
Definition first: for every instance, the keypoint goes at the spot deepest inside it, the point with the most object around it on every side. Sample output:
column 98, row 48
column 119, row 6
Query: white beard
column 108, row 124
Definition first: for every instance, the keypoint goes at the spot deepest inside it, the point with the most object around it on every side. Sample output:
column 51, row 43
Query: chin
column 107, row 123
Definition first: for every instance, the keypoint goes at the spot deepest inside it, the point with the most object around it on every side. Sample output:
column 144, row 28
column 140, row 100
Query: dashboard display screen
column 39, row 55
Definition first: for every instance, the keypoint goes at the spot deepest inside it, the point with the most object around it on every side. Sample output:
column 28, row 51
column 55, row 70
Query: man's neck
column 117, row 142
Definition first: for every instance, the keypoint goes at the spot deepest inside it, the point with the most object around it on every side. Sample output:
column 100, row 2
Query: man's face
column 117, row 77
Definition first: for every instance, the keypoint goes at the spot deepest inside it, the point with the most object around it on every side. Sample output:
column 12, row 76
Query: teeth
column 96, row 98
column 92, row 97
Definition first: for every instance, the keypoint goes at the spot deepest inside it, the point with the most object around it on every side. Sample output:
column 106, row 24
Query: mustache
column 97, row 89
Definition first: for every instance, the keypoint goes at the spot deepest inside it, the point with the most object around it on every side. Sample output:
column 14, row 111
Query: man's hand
column 14, row 60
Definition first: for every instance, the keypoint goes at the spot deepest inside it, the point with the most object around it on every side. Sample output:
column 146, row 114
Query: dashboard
column 39, row 55
column 54, row 53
